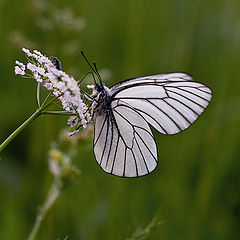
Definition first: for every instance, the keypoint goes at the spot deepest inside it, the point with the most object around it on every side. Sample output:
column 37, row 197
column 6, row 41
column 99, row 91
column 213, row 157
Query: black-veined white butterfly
column 124, row 144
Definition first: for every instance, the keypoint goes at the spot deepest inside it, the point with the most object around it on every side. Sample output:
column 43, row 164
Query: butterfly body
column 103, row 98
column 124, row 144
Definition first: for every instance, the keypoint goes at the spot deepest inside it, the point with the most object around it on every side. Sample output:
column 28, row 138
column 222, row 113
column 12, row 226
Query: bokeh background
column 196, row 185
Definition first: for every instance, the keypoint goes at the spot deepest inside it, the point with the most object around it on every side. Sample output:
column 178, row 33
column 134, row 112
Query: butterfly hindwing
column 124, row 146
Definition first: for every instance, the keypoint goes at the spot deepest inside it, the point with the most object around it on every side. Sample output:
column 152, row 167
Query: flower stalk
column 64, row 172
column 52, row 196
column 20, row 128
column 37, row 113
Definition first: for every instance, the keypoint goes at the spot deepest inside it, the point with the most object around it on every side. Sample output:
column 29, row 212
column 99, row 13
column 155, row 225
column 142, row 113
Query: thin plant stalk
column 37, row 113
column 38, row 94
column 20, row 128
column 52, row 196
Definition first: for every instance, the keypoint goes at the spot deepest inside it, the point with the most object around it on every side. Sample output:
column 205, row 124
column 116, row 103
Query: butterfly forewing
column 169, row 105
column 160, row 78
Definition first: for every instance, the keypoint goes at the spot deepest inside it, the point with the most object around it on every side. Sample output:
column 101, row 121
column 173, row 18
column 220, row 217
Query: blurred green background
column 196, row 185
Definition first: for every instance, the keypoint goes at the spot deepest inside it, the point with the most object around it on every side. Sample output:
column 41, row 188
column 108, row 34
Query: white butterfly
column 123, row 141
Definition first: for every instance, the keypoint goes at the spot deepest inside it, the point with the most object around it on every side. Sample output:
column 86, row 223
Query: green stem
column 38, row 112
column 38, row 94
column 48, row 104
column 64, row 113
column 45, row 100
column 20, row 128
column 52, row 196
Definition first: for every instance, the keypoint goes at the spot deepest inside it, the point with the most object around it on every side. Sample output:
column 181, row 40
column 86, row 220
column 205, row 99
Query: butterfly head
column 99, row 87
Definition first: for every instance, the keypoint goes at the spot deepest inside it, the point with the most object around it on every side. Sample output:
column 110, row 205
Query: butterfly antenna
column 91, row 67
column 86, row 76
column 96, row 70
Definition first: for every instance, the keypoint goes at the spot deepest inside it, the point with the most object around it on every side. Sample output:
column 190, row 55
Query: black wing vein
column 141, row 111
column 186, row 98
column 110, row 143
column 170, row 105
column 147, row 147
column 105, row 142
column 171, row 119
column 95, row 142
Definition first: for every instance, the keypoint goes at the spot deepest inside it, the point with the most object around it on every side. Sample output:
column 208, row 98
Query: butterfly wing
column 159, row 78
column 123, row 142
column 169, row 102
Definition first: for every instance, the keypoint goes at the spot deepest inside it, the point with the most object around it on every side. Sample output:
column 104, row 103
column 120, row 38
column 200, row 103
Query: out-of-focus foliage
column 197, row 182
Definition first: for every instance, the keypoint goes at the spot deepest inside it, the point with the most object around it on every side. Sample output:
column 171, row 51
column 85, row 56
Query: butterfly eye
column 99, row 87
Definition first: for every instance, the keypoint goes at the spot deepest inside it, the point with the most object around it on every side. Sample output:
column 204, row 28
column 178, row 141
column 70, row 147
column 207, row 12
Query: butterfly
column 124, row 144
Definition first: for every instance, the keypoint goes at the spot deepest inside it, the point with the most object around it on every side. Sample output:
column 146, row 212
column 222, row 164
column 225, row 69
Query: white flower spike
column 66, row 88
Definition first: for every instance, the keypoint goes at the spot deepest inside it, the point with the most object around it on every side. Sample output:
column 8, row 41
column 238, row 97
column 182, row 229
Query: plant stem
column 64, row 113
column 20, row 128
column 45, row 100
column 52, row 196
column 38, row 112
column 38, row 94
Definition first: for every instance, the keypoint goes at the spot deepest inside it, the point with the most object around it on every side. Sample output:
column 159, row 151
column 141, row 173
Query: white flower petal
column 60, row 83
column 19, row 71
